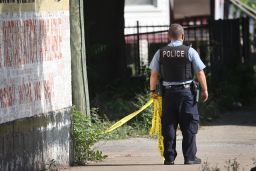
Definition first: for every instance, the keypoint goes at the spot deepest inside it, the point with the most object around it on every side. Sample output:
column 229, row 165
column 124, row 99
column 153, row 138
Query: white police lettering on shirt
column 174, row 54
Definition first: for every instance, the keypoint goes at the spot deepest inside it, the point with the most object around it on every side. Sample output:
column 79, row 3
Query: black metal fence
column 219, row 43
column 143, row 41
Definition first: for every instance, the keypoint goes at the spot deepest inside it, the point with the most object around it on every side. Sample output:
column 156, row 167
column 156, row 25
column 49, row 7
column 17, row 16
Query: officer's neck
column 176, row 40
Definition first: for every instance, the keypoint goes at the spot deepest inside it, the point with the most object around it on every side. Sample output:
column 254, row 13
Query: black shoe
column 166, row 162
column 196, row 161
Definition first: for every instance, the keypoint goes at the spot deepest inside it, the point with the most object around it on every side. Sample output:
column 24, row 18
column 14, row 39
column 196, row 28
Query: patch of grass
column 124, row 132
column 206, row 167
column 232, row 165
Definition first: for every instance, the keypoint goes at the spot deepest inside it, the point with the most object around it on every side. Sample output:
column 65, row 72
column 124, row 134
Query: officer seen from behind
column 176, row 65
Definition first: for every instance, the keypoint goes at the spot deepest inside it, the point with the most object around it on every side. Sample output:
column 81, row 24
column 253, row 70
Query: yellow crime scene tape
column 156, row 121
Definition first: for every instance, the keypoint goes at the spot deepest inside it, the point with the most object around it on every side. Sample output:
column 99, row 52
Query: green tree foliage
column 251, row 3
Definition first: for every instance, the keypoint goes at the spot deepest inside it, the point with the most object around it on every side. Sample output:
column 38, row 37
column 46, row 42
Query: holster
column 195, row 90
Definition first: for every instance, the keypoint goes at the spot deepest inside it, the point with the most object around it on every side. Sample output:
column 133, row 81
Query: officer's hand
column 204, row 95
column 153, row 95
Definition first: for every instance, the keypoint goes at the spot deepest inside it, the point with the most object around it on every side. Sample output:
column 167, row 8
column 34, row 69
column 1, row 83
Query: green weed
column 206, row 167
column 86, row 132
column 232, row 165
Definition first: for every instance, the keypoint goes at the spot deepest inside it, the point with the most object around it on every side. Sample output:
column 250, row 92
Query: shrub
column 236, row 85
column 143, row 121
column 86, row 132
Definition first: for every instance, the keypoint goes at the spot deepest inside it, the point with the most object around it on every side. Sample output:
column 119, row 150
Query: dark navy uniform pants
column 180, row 109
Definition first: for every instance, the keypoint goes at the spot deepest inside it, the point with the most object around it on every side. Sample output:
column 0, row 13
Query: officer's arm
column 153, row 80
column 198, row 67
column 202, row 80
column 154, row 66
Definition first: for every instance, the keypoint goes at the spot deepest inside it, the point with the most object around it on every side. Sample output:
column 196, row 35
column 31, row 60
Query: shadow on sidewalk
column 241, row 117
column 131, row 164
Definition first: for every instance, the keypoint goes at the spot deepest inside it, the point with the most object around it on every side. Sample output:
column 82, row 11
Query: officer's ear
column 170, row 37
column 183, row 37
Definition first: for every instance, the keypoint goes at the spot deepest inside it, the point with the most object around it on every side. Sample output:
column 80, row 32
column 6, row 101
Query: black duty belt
column 185, row 86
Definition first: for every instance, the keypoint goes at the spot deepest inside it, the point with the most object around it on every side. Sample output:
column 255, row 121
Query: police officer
column 177, row 64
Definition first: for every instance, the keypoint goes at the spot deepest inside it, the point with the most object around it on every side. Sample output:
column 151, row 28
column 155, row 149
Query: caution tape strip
column 156, row 128
column 128, row 117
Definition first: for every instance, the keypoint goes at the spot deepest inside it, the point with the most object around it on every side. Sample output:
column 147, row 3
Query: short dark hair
column 175, row 31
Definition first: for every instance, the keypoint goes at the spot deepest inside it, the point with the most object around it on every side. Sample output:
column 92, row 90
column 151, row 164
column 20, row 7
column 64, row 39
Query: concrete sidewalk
column 234, row 136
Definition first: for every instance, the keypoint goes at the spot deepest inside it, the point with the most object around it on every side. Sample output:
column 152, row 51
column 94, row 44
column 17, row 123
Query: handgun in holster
column 195, row 90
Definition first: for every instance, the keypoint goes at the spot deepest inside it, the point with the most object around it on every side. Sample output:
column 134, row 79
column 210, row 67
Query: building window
column 141, row 2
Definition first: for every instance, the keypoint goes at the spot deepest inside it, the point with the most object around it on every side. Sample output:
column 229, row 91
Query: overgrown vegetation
column 251, row 3
column 231, row 165
column 86, row 132
column 120, row 99
column 116, row 99
column 139, row 126
column 235, row 88
column 206, row 167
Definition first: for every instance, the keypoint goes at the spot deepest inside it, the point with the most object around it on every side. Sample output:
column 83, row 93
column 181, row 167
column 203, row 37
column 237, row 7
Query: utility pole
column 80, row 92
